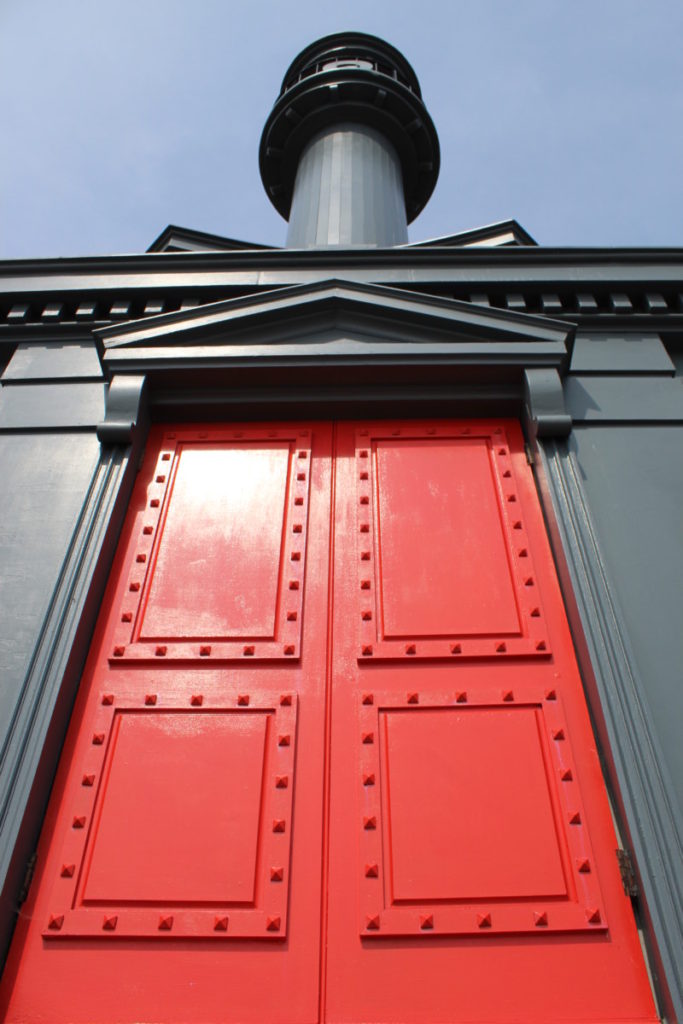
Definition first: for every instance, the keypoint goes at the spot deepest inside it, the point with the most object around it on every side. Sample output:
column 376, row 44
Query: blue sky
column 121, row 117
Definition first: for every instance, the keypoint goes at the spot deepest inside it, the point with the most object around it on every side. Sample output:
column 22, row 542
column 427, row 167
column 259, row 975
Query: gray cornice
column 503, row 267
column 335, row 323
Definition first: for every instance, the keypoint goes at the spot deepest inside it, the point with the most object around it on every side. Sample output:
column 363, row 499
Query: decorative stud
column 566, row 775
column 368, row 698
column 501, row 648
column 79, row 821
column 165, row 922
column 161, row 479
column 368, row 778
column 298, row 501
column 134, row 587
column 372, row 922
column 540, row 919
column 365, row 475
column 67, row 870
column 508, row 696
column 109, row 923
column 363, row 453
column 297, row 528
column 456, row 648
column 512, row 498
column 204, row 650
column 126, row 617
column 369, row 822
column 371, row 870
column 583, row 866
column 285, row 699
column 301, row 476
column 166, row 455
column 160, row 650
column 243, row 699
column 558, row 734
column 119, row 652
column 411, row 649
column 483, row 920
column 365, row 528
column 154, row 503
column 365, row 556
column 55, row 922
column 507, row 473
column 196, row 700
column 593, row 915
column 517, row 525
column 575, row 818
column 150, row 698
column 366, row 615
column 273, row 924
column 88, row 780
column 289, row 649
column 293, row 584
column 365, row 584
column 284, row 740
column 281, row 781
column 277, row 874
column 541, row 645
column 367, row 737
column 98, row 739
column 367, row 650
column 364, row 500
column 303, row 455
column 535, row 613
column 461, row 696
column 296, row 556
column 107, row 698
column 248, row 650
column 141, row 557
column 551, row 695
column 279, row 825
column 426, row 922
column 220, row 923
column 413, row 698
column 523, row 553
column 292, row 616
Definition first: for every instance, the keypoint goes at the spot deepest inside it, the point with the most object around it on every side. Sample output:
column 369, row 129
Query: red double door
column 330, row 759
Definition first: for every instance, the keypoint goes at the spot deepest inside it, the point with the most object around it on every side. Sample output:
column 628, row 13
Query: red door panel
column 180, row 865
column 330, row 759
column 470, row 835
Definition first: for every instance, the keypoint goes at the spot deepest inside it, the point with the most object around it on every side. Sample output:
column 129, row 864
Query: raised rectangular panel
column 444, row 564
column 178, row 822
column 469, row 809
column 472, row 817
column 218, row 566
column 178, row 813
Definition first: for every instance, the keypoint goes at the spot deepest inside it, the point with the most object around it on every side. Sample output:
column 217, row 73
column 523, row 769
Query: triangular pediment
column 338, row 317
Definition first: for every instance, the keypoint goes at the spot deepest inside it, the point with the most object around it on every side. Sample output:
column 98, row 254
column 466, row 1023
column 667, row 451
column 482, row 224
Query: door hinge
column 529, row 454
column 26, row 884
column 627, row 872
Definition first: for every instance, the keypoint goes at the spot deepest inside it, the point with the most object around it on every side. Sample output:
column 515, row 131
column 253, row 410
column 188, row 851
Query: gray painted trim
column 609, row 668
column 29, row 756
column 544, row 404
column 125, row 404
